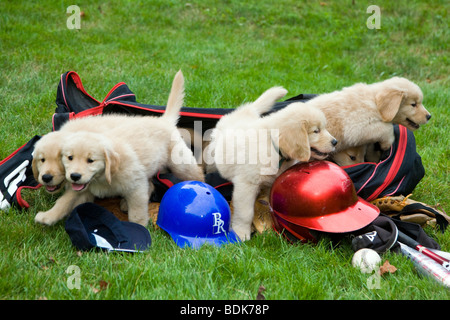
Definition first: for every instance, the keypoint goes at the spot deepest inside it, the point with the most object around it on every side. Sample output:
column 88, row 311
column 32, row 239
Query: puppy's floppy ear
column 35, row 169
column 388, row 102
column 112, row 161
column 294, row 141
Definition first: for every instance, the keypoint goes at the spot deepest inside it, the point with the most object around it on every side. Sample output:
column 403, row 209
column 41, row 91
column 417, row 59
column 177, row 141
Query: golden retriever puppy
column 108, row 167
column 364, row 113
column 47, row 165
column 120, row 161
column 349, row 156
column 48, row 168
column 251, row 151
column 49, row 171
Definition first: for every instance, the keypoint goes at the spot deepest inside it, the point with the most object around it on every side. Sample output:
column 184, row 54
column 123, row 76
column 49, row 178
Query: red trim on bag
column 396, row 164
column 374, row 171
column 89, row 112
column 204, row 115
column 398, row 186
column 182, row 113
column 20, row 201
column 357, row 164
column 223, row 185
column 63, row 89
column 76, row 78
column 72, row 115
column 122, row 96
column 166, row 182
column 113, row 89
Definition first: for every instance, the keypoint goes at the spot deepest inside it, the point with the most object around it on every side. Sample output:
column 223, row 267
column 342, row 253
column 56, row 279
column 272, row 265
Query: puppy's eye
column 43, row 160
column 317, row 130
column 89, row 160
column 353, row 158
column 70, row 158
column 414, row 104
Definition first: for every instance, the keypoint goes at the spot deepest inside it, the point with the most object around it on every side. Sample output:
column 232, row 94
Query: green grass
column 229, row 52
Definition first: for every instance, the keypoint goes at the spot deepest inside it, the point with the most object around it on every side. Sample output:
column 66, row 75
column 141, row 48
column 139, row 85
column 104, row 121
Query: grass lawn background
column 230, row 52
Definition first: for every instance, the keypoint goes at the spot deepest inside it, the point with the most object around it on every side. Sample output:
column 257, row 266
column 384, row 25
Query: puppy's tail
column 176, row 99
column 265, row 101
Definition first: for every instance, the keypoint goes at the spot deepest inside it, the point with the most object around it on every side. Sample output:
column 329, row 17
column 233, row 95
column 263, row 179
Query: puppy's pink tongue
column 78, row 187
column 51, row 188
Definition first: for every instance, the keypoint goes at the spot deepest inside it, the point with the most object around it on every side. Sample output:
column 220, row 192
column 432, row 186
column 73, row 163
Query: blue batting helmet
column 194, row 213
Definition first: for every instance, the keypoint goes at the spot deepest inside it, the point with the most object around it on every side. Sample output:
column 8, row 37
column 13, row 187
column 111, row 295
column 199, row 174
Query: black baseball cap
column 92, row 226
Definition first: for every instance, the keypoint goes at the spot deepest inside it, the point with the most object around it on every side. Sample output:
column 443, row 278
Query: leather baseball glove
column 407, row 209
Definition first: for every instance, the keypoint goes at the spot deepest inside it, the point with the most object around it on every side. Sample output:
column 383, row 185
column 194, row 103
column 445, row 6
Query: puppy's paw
column 140, row 219
column 385, row 145
column 45, row 218
column 243, row 231
column 387, row 142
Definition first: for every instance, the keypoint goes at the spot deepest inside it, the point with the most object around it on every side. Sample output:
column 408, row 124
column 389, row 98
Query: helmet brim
column 352, row 218
column 196, row 242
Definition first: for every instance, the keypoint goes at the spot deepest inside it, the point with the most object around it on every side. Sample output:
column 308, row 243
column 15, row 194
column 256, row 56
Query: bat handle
column 405, row 239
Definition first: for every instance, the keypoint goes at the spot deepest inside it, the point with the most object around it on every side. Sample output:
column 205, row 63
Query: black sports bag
column 397, row 174
column 16, row 174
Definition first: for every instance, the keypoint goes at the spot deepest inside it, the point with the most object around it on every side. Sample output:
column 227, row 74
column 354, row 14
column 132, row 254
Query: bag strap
column 415, row 208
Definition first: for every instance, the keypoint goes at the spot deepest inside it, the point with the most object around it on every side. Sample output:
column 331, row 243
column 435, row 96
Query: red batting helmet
column 319, row 196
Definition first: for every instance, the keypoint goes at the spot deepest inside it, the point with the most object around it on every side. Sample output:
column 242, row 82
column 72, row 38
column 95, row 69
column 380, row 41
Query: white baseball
column 366, row 260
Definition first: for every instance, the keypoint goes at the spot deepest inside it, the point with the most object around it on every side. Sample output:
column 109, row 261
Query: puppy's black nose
column 334, row 142
column 47, row 178
column 75, row 176
column 428, row 116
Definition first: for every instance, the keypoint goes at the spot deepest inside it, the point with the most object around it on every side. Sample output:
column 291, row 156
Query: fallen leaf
column 103, row 284
column 387, row 268
column 260, row 296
